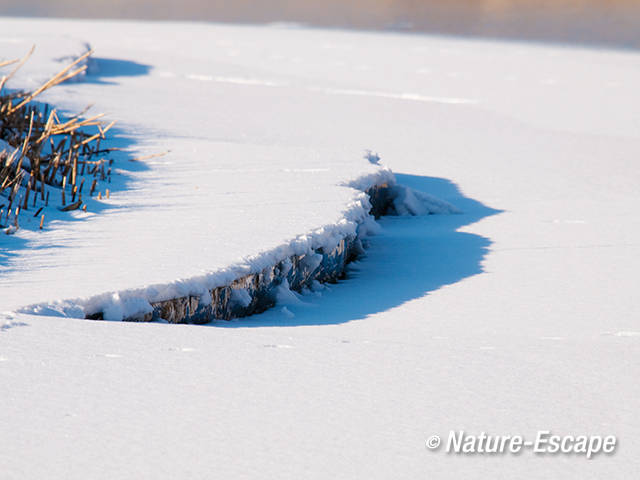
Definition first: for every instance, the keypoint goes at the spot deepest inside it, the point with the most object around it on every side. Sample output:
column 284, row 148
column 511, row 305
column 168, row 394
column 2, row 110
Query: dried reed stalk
column 47, row 152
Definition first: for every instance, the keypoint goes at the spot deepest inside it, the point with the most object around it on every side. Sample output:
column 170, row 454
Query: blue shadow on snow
column 101, row 70
column 411, row 257
column 12, row 247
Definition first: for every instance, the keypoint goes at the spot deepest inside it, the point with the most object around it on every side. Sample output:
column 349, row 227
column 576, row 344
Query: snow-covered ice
column 198, row 212
column 519, row 314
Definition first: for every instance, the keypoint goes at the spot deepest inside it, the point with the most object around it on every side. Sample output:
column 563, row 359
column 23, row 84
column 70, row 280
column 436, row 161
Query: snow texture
column 352, row 212
column 519, row 314
column 318, row 194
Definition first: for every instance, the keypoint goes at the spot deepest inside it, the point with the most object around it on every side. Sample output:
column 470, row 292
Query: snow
column 53, row 52
column 516, row 315
column 217, row 196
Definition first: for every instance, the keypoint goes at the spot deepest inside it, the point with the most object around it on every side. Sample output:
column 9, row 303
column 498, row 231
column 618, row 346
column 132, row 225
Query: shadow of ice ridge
column 409, row 258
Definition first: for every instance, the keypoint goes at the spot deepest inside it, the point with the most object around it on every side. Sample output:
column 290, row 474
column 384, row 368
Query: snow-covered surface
column 210, row 211
column 518, row 315
column 53, row 51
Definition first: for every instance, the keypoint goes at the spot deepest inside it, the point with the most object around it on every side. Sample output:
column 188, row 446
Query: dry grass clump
column 45, row 153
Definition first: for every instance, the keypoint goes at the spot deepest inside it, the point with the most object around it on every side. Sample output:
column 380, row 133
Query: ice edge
column 251, row 287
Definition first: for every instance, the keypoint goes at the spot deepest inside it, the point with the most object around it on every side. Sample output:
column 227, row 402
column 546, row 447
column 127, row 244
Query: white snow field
column 521, row 314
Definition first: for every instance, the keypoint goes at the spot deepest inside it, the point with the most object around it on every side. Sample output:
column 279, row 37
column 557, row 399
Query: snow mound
column 408, row 201
column 356, row 223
